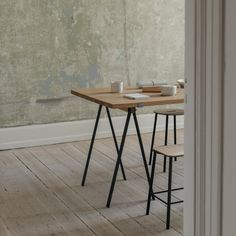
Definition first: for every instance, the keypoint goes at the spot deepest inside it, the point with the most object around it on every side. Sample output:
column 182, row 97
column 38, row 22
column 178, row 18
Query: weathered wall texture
column 48, row 47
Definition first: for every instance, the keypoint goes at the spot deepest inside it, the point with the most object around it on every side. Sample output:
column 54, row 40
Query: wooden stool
column 171, row 151
column 167, row 113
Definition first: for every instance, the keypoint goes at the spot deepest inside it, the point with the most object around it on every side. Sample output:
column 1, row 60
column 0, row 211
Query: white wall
column 229, row 155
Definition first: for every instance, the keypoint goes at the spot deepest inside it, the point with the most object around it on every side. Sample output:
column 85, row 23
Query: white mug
column 168, row 90
column 117, row 87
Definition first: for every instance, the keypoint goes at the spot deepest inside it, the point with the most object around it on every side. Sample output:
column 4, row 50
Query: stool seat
column 175, row 150
column 172, row 112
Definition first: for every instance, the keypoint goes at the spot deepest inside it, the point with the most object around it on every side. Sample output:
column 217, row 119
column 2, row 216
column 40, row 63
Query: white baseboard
column 36, row 135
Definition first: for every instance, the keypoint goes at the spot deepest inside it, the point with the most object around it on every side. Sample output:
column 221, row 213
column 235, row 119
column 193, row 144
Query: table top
column 105, row 97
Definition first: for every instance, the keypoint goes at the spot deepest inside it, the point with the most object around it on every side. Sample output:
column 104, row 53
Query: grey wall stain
column 49, row 47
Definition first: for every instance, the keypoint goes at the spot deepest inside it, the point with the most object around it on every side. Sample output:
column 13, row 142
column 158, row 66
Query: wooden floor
column 41, row 192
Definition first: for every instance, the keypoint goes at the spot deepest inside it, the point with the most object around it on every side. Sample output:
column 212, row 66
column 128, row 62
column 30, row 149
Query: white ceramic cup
column 168, row 90
column 117, row 87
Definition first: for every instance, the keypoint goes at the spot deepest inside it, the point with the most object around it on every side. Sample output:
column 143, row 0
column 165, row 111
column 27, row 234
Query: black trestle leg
column 115, row 141
column 91, row 145
column 166, row 140
column 119, row 157
column 175, row 133
column 142, row 149
column 153, row 138
column 151, row 183
column 169, row 194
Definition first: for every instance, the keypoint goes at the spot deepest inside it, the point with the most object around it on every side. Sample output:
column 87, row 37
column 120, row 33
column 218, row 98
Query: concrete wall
column 49, row 47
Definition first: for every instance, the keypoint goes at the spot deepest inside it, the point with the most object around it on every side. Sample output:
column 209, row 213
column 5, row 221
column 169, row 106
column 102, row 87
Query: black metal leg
column 166, row 140
column 153, row 138
column 91, row 145
column 115, row 141
column 151, row 183
column 119, row 157
column 142, row 149
column 175, row 134
column 169, row 193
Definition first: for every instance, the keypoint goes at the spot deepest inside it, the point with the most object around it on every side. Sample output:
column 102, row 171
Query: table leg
column 115, row 141
column 91, row 145
column 142, row 150
column 119, row 157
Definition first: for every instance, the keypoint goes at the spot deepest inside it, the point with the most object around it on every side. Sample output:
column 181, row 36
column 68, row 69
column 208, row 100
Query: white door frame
column 203, row 112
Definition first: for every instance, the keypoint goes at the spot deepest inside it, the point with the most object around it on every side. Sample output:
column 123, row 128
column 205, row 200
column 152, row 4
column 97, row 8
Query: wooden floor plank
column 95, row 221
column 99, row 159
column 94, row 198
column 41, row 192
column 21, row 209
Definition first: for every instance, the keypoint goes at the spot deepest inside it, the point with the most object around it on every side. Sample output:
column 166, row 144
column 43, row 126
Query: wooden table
column 103, row 97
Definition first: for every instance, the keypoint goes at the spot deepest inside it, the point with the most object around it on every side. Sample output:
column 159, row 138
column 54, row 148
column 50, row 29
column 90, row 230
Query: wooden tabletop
column 105, row 97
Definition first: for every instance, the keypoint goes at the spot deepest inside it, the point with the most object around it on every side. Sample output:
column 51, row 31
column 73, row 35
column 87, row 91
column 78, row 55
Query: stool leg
column 166, row 140
column 151, row 183
column 169, row 194
column 175, row 134
column 153, row 138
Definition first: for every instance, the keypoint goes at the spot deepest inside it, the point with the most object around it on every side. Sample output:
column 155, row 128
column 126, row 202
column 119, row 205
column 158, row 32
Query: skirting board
column 36, row 135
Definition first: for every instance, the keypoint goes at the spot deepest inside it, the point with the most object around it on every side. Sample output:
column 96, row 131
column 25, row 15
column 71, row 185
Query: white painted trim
column 203, row 113
column 229, row 126
column 35, row 135
column 189, row 130
column 214, row 117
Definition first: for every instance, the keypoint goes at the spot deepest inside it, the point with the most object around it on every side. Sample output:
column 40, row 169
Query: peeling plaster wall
column 49, row 47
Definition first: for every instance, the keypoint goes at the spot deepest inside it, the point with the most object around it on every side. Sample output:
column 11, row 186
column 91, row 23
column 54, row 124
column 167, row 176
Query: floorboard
column 41, row 192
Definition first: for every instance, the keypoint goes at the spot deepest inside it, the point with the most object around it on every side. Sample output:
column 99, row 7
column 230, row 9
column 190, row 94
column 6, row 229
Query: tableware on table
column 168, row 90
column 181, row 82
column 117, row 86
